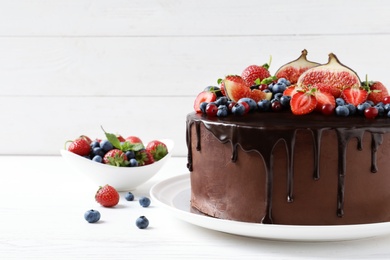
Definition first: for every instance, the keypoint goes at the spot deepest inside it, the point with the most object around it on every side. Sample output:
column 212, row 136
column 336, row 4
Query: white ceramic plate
column 174, row 195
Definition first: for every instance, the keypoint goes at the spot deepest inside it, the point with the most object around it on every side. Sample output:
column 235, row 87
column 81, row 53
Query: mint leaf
column 127, row 146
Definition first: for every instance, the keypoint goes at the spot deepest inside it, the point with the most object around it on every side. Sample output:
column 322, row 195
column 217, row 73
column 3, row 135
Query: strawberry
column 144, row 157
column 80, row 146
column 255, row 72
column 115, row 157
column 86, row 138
column 324, row 98
column 134, row 140
column 354, row 95
column 120, row 138
column 204, row 96
column 107, row 196
column 377, row 92
column 157, row 148
column 235, row 87
column 290, row 91
column 303, row 102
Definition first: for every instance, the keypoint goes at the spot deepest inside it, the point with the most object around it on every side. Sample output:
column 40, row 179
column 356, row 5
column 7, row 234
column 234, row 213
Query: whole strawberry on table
column 118, row 151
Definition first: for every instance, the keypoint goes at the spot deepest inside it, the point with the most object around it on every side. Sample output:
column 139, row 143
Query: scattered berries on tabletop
column 92, row 216
column 144, row 202
column 107, row 196
column 129, row 196
column 142, row 222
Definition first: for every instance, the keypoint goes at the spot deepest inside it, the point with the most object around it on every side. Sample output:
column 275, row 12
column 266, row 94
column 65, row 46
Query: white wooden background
column 135, row 66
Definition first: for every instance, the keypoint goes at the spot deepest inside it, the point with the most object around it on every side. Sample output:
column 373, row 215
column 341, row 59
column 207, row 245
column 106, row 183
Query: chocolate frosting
column 260, row 132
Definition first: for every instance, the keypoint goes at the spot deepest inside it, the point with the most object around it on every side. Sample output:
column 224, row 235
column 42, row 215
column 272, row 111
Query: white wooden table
column 42, row 202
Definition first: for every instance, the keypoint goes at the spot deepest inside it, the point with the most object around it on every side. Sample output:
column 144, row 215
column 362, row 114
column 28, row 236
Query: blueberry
column 285, row 101
column 95, row 144
column 277, row 96
column 370, row 102
column 106, row 145
column 129, row 196
column 387, row 107
column 142, row 222
column 130, row 155
column 92, row 216
column 97, row 158
column 221, row 101
column 264, row 105
column 203, row 106
column 342, row 110
column 98, row 151
column 352, row 109
column 144, row 202
column 279, row 87
column 284, row 81
column 222, row 111
column 252, row 104
column 388, row 114
column 340, row 102
column 238, row 109
column 133, row 162
column 381, row 109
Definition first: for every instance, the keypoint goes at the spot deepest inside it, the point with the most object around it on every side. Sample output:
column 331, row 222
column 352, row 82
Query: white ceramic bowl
column 122, row 178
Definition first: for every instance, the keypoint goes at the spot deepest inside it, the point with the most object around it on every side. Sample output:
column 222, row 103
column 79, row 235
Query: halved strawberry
column 377, row 92
column 303, row 102
column 324, row 98
column 290, row 91
column 254, row 72
column 235, row 87
column 354, row 95
column 204, row 96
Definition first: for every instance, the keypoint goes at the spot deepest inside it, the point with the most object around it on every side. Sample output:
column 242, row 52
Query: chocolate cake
column 279, row 168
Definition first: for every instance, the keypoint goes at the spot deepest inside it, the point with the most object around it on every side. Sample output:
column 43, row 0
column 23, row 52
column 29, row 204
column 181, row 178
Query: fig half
column 292, row 70
column 334, row 74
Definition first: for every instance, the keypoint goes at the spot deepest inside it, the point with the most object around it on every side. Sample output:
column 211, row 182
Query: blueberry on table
column 129, row 196
column 92, row 216
column 144, row 202
column 142, row 222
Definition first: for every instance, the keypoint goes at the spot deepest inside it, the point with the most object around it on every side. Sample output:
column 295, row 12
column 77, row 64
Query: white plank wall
column 69, row 66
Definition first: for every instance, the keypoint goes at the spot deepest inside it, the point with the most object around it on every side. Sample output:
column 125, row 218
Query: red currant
column 211, row 109
column 327, row 109
column 276, row 106
column 231, row 105
column 386, row 100
column 263, row 87
column 371, row 112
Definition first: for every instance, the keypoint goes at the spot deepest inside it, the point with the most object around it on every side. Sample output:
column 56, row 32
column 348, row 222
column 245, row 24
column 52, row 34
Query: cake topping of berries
column 301, row 86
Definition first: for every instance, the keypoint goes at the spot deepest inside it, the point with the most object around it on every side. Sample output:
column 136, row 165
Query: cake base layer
column 291, row 170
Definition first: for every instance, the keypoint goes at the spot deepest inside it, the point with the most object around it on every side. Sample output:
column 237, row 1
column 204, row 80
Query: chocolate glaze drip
column 261, row 132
